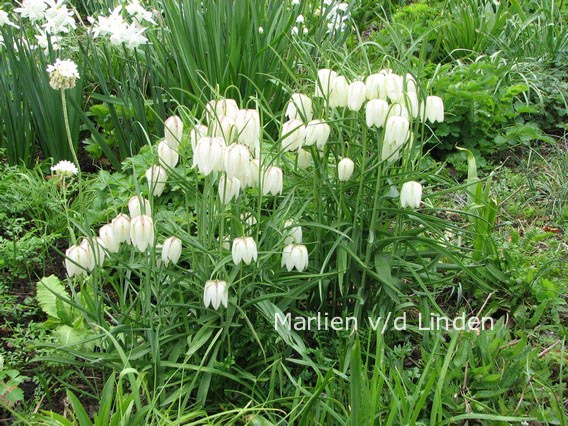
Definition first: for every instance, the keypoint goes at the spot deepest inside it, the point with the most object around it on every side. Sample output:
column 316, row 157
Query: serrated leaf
column 49, row 291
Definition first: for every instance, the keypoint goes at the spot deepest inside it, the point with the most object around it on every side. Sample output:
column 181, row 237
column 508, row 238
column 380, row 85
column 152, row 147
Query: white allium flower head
column 62, row 74
column 65, row 168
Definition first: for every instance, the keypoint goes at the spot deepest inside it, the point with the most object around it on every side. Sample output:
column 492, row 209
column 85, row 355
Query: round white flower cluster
column 65, row 168
column 63, row 74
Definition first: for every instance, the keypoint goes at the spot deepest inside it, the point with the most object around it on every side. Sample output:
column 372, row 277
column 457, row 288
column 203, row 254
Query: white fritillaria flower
column 249, row 129
column 76, row 261
column 339, row 92
column 173, row 131
column 138, row 205
column 244, row 250
column 255, row 173
column 376, row 112
column 156, row 177
column 293, row 134
column 142, row 232
column 376, row 86
column 397, row 133
column 63, row 74
column 434, row 110
column 121, row 228
column 324, row 84
column 272, row 181
column 95, row 252
column 411, row 103
column 299, row 108
column 237, row 162
column 198, row 132
column 110, row 238
column 304, row 159
column 65, row 168
column 317, row 132
column 411, row 194
column 399, row 110
column 215, row 294
column 228, row 189
column 292, row 232
column 167, row 157
column 225, row 127
column 295, row 256
column 394, row 86
column 356, row 95
column 208, row 155
column 345, row 169
column 221, row 107
column 171, row 251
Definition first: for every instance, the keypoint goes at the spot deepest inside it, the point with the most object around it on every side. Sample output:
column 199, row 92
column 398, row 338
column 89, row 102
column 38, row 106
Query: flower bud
column 208, row 155
column 295, row 256
column 411, row 194
column 376, row 112
column 167, row 157
column 138, row 205
column 110, row 238
column 156, row 177
column 293, row 134
column 142, row 232
column 317, row 132
column 356, row 95
column 228, row 189
column 215, row 294
column 173, row 131
column 272, row 181
column 171, row 251
column 244, row 250
column 345, row 169
column 299, row 108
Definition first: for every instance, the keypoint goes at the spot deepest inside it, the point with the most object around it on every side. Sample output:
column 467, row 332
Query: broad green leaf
column 49, row 290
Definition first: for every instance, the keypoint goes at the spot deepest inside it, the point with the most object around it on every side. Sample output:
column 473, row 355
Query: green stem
column 68, row 129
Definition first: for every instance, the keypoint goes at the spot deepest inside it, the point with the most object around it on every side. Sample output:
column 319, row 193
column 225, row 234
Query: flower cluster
column 62, row 74
column 65, row 168
column 51, row 19
column 124, row 25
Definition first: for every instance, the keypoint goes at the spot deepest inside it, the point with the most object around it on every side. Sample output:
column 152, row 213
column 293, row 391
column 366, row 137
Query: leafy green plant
column 10, row 379
column 31, row 101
